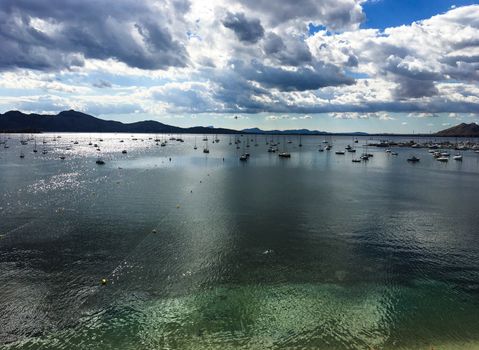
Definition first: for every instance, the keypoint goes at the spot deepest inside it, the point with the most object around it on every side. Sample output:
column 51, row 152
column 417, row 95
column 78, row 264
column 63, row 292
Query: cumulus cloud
column 300, row 79
column 237, row 56
column 61, row 35
column 247, row 30
column 430, row 63
column 185, row 97
column 333, row 14
column 290, row 51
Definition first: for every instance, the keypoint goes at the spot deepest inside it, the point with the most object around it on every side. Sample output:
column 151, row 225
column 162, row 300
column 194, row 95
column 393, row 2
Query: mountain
column 285, row 132
column 463, row 129
column 300, row 132
column 73, row 121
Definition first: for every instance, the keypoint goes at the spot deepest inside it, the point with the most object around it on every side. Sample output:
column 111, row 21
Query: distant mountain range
column 73, row 121
column 461, row 130
column 298, row 132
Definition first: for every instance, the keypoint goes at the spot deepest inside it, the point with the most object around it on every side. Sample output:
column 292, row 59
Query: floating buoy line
column 116, row 273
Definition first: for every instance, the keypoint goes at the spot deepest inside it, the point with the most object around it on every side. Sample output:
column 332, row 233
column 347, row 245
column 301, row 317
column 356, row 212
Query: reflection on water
column 207, row 252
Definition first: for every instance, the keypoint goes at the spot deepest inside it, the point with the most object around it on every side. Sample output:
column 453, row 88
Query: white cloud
column 260, row 59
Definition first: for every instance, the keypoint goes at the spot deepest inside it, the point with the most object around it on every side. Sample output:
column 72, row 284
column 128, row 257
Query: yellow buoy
column 153, row 231
column 104, row 281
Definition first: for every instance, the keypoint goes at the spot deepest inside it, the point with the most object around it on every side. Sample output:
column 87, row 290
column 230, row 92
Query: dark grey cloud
column 412, row 82
column 414, row 88
column 455, row 60
column 236, row 94
column 246, row 30
column 462, row 67
column 101, row 84
column 293, row 52
column 196, row 99
column 232, row 93
column 398, row 64
column 401, row 68
column 335, row 15
column 353, row 61
column 76, row 30
column 273, row 44
column 300, row 79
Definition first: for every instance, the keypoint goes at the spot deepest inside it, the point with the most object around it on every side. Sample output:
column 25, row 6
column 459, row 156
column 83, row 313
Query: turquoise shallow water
column 312, row 252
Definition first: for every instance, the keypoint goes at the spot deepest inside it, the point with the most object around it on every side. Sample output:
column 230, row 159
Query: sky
column 398, row 66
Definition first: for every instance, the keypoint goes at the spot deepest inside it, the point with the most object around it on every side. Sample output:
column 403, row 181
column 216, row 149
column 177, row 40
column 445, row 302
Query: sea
column 168, row 247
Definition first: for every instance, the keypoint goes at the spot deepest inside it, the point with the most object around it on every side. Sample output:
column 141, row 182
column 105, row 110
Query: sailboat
column 35, row 146
column 244, row 156
column 413, row 159
column 206, row 150
column 366, row 155
column 300, row 143
column 284, row 154
column 195, row 144
column 442, row 159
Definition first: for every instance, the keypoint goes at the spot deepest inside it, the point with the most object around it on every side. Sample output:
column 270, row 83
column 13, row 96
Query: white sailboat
column 285, row 153
column 206, row 149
